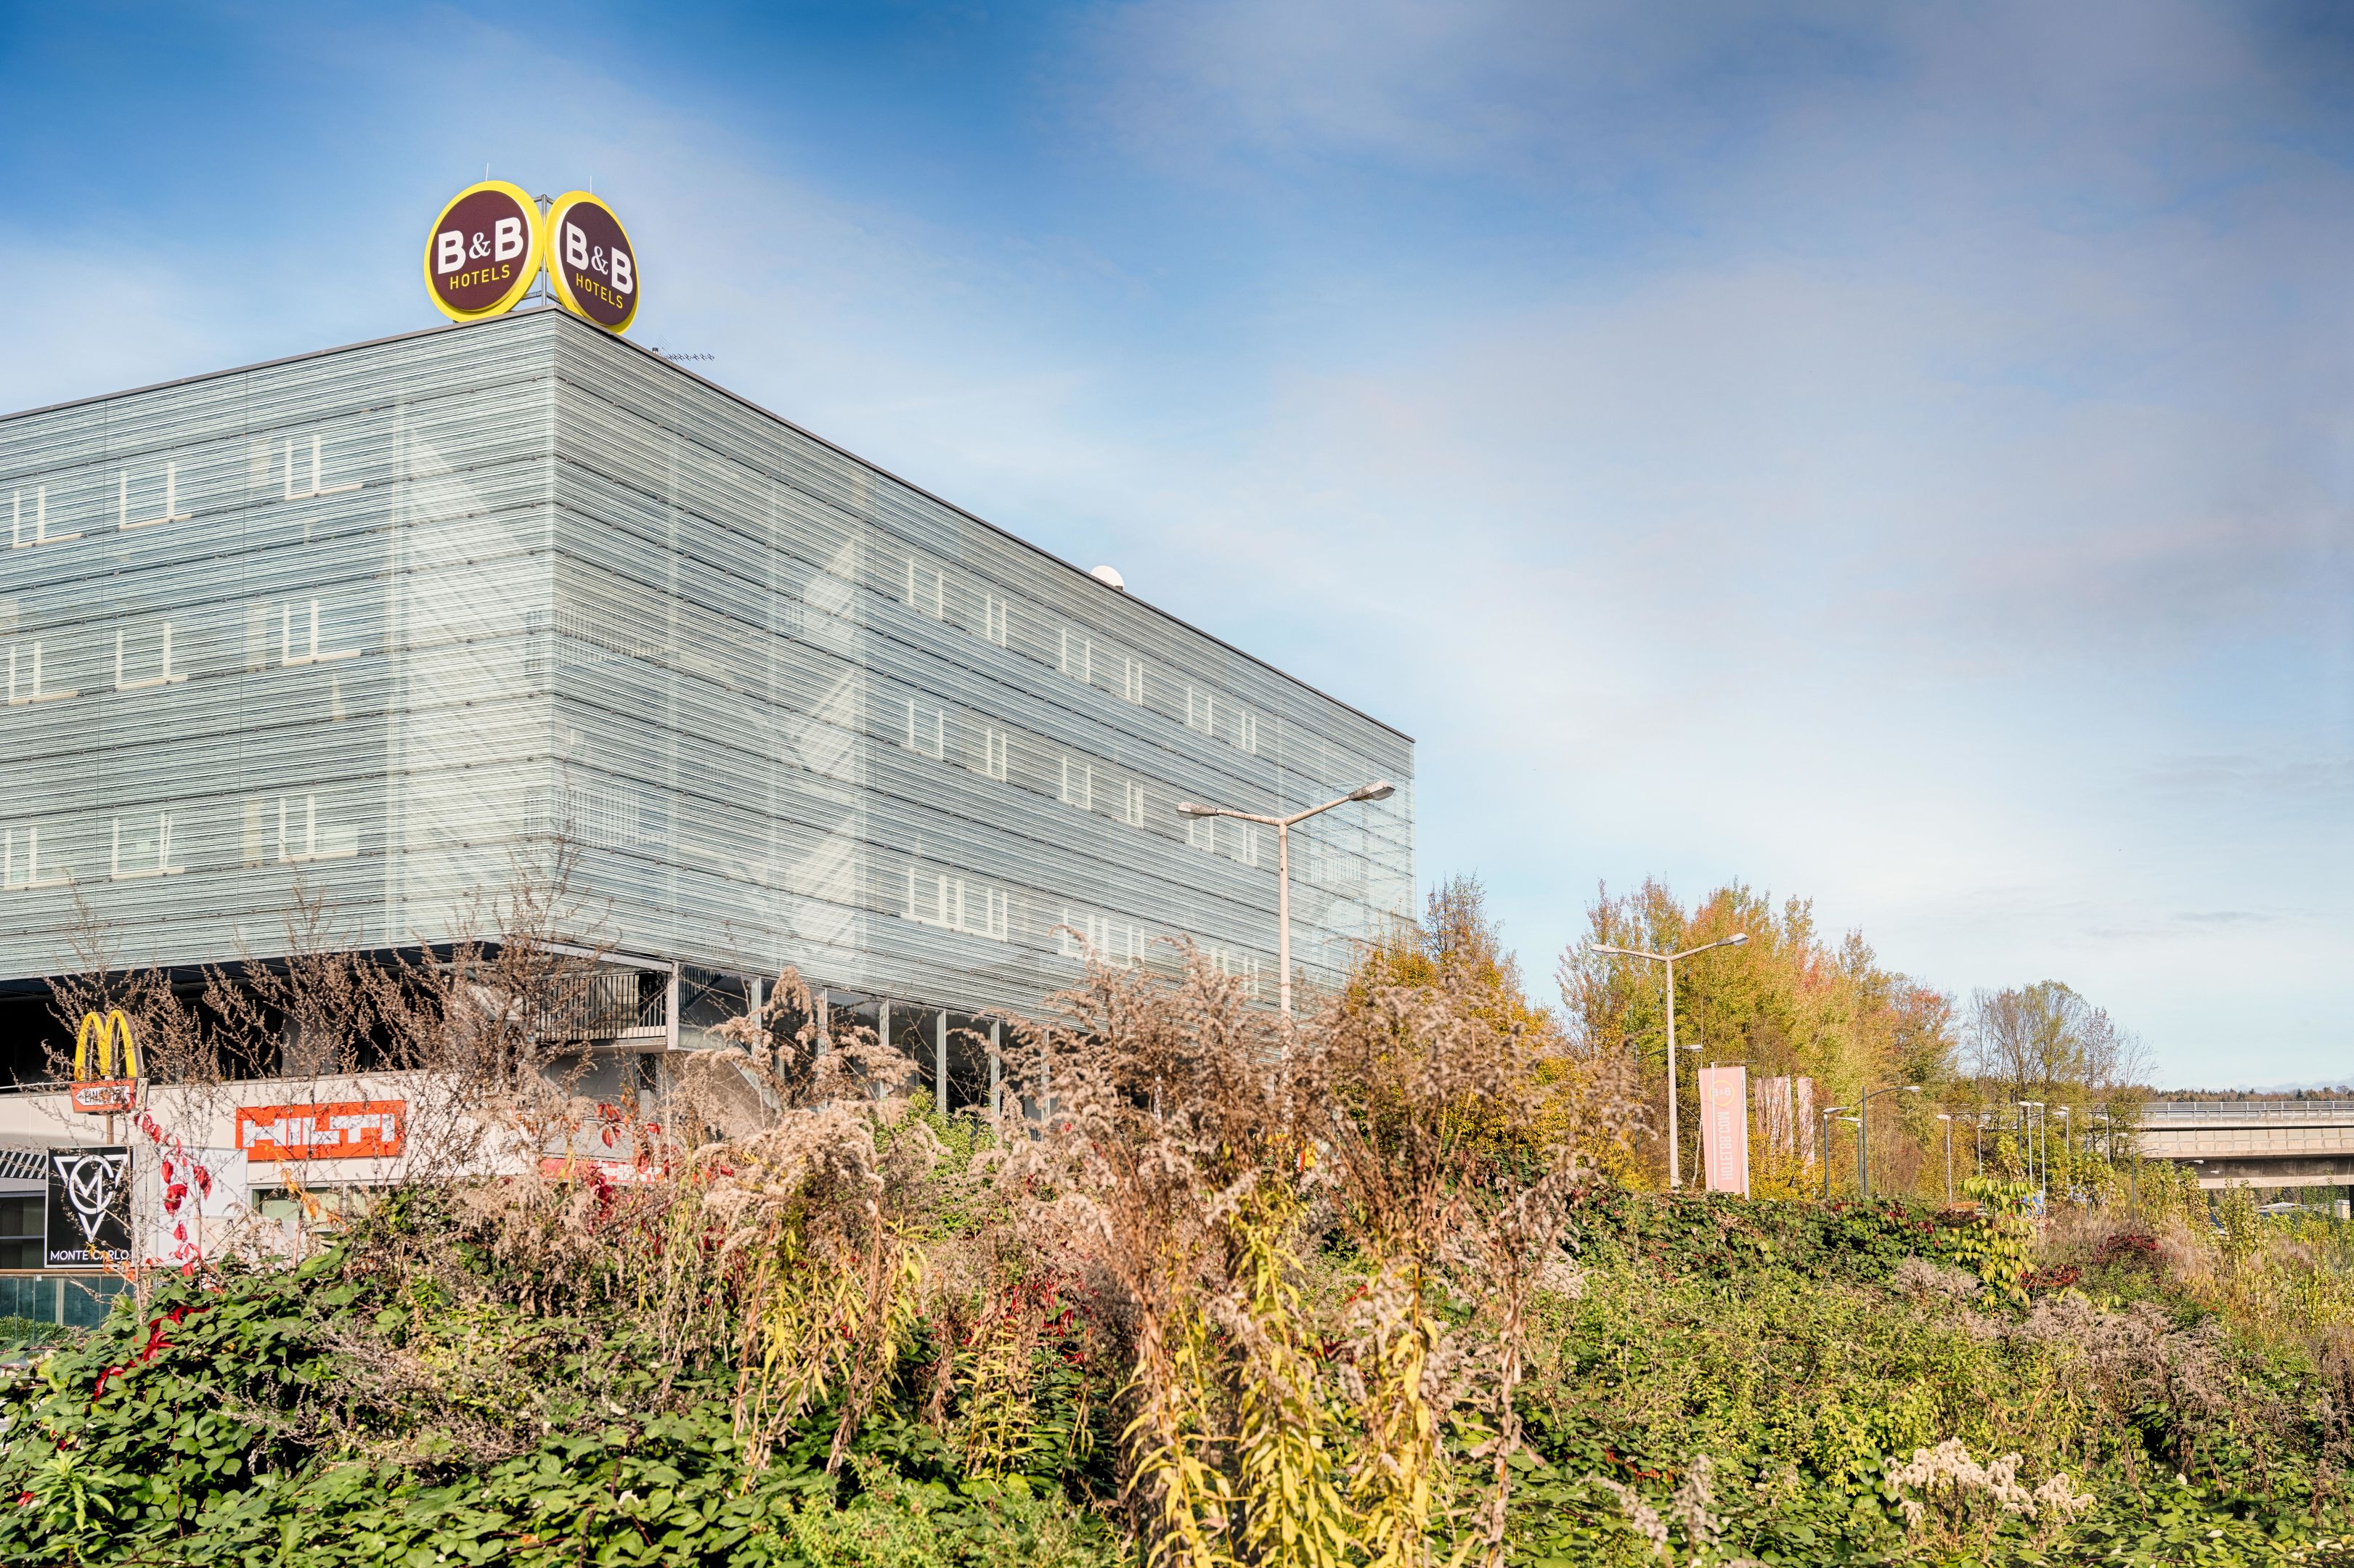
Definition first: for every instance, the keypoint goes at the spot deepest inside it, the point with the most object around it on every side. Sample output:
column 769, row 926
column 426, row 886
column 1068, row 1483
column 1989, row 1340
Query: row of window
column 283, row 829
column 146, row 655
column 298, row 467
column 1077, row 780
column 1115, row 940
column 295, row 466
column 954, row 902
column 985, row 613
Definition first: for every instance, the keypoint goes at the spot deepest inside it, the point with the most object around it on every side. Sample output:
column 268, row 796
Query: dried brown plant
column 1216, row 1168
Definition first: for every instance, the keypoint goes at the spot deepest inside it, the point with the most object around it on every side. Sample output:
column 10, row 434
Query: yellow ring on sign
column 550, row 227
column 527, row 266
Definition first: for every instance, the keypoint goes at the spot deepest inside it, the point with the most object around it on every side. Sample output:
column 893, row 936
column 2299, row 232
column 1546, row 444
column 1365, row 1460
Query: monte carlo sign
column 490, row 243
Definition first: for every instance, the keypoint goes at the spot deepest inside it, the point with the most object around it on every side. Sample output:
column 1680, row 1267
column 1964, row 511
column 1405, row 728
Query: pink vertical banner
column 1724, row 1127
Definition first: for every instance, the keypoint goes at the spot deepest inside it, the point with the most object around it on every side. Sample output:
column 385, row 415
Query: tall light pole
column 2067, row 1146
column 1823, row 1147
column 1863, row 1133
column 2026, row 1140
column 1948, row 1120
column 1379, row 789
column 1739, row 938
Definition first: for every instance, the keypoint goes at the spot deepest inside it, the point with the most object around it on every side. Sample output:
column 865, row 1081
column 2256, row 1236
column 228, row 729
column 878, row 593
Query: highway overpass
column 2263, row 1143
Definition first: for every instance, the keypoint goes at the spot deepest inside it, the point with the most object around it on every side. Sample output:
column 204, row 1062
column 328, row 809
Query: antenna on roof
column 681, row 358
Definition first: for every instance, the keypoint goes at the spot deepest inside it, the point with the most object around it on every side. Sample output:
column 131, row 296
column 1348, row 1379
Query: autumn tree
column 1787, row 1002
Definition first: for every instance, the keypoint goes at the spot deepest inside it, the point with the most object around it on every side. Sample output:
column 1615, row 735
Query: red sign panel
column 105, row 1094
column 351, row 1130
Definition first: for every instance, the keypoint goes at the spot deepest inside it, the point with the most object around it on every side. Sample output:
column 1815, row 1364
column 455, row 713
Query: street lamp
column 1863, row 1133
column 1739, row 938
column 1948, row 1120
column 1379, row 789
column 1823, row 1147
column 2025, row 1142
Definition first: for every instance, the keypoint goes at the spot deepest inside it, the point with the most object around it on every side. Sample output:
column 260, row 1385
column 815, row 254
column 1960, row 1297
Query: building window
column 20, row 861
column 1201, row 832
column 145, row 850
column 171, row 512
column 1201, row 711
column 24, row 531
column 927, row 730
column 1079, row 785
column 1250, row 843
column 314, row 487
column 301, row 837
column 298, row 639
column 25, row 676
column 926, row 590
column 1132, row 804
column 601, row 818
column 1113, row 941
column 992, row 619
column 1131, row 680
column 1249, row 739
column 126, row 654
column 1235, row 965
column 1077, row 658
column 954, row 904
column 992, row 759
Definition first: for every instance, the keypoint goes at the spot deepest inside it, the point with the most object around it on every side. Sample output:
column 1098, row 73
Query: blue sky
column 1899, row 455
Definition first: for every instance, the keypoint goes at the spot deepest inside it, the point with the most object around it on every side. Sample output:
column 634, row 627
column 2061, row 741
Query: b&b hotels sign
column 490, row 243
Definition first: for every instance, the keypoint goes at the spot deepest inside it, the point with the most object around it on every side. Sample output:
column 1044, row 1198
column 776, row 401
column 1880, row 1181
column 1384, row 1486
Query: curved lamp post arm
column 1379, row 789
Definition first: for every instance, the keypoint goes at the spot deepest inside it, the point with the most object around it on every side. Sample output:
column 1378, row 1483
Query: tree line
column 1796, row 1000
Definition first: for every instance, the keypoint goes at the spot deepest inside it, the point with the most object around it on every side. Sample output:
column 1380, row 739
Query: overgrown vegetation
column 1383, row 1290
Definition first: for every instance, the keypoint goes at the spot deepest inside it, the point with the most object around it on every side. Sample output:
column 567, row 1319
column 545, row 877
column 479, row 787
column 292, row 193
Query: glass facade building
column 381, row 622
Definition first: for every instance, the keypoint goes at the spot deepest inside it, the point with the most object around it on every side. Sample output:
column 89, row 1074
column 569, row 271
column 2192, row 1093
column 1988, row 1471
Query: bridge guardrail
column 2210, row 1113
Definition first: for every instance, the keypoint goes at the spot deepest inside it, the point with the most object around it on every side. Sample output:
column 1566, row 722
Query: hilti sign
column 351, row 1129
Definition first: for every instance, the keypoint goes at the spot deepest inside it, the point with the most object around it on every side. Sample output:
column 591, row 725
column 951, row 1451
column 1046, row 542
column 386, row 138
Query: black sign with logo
column 88, row 1220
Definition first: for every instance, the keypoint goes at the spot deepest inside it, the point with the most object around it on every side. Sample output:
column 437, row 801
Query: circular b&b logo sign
column 591, row 261
column 483, row 251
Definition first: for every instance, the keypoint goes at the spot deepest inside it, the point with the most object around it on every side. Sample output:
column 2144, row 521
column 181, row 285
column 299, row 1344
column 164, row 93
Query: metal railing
column 2207, row 1113
column 608, row 1004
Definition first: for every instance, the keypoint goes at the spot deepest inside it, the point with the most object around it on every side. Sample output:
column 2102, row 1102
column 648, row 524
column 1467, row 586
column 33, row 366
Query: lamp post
column 1379, row 789
column 2027, row 1144
column 1948, row 1120
column 1863, row 1133
column 2067, row 1148
column 1739, row 938
column 1823, row 1147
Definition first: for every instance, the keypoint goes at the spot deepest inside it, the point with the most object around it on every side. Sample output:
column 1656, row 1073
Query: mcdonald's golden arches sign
column 105, row 1091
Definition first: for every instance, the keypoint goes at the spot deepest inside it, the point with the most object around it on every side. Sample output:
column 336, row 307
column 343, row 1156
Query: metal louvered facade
column 381, row 622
